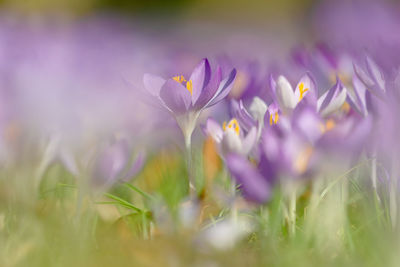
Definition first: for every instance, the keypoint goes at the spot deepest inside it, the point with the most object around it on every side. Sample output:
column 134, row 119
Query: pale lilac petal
column 376, row 73
column 210, row 90
column 249, row 141
column 363, row 76
column 200, row 78
column 333, row 99
column 153, row 84
column 308, row 123
column 224, row 89
column 241, row 114
column 213, row 129
column 311, row 93
column 110, row 163
column 253, row 185
column 175, row 96
column 136, row 166
column 358, row 100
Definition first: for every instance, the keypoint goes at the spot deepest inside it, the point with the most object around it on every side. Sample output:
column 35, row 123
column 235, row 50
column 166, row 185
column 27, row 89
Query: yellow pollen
column 181, row 79
column 303, row 159
column 273, row 118
column 189, row 86
column 345, row 107
column 276, row 118
column 233, row 124
column 302, row 91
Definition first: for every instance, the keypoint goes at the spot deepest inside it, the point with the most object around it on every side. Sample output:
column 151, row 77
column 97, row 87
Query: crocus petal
column 253, row 185
column 272, row 87
column 110, row 163
column 249, row 141
column 285, row 94
column 332, row 100
column 271, row 144
column 308, row 123
column 231, row 142
column 258, row 108
column 309, row 84
column 209, row 91
column 153, row 84
column 175, row 96
column 224, row 89
column 244, row 118
column 358, row 100
column 376, row 73
column 200, row 78
column 363, row 76
column 335, row 104
column 213, row 129
column 136, row 166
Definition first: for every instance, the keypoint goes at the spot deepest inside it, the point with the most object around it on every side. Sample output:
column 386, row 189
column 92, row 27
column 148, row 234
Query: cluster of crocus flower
column 284, row 132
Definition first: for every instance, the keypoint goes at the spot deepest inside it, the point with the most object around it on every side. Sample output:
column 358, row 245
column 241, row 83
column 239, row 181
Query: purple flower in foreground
column 186, row 97
column 255, row 181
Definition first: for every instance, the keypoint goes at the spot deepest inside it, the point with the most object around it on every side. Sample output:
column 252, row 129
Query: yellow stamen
column 276, row 118
column 189, row 86
column 224, row 126
column 233, row 124
column 179, row 78
column 301, row 162
column 302, row 90
column 273, row 118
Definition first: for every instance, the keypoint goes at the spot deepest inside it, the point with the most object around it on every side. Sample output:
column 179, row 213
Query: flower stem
column 188, row 146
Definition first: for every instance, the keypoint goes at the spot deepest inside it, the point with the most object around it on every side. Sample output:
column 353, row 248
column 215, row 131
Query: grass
column 339, row 222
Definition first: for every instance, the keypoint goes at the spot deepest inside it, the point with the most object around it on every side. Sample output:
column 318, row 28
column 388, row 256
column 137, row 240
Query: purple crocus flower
column 186, row 98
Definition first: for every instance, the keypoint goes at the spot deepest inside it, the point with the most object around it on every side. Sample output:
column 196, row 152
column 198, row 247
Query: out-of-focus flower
column 372, row 78
column 230, row 138
column 114, row 163
column 252, row 118
column 255, row 181
column 332, row 100
column 287, row 98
